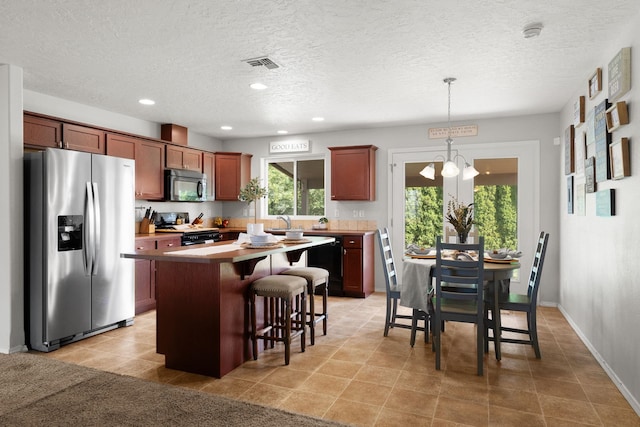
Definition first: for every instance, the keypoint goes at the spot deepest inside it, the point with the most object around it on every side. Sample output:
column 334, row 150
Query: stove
column 178, row 222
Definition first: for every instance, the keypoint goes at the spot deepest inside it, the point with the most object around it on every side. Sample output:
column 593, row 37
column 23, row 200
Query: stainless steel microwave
column 184, row 186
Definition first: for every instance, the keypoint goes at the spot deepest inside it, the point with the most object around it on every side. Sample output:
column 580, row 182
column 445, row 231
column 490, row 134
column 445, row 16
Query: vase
column 462, row 237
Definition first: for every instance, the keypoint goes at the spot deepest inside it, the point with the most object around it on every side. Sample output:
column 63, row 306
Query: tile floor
column 356, row 376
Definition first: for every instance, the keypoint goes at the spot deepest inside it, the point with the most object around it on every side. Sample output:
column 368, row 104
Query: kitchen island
column 202, row 293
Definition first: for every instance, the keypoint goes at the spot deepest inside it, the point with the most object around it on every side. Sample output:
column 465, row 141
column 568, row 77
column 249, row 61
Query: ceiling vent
column 262, row 61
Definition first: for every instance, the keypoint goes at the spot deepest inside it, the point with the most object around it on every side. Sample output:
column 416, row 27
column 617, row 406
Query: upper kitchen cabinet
column 183, row 158
column 353, row 172
column 41, row 132
column 149, row 157
column 209, row 168
column 232, row 172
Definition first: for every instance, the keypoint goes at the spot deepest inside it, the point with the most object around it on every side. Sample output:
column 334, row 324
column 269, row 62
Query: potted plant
column 322, row 223
column 251, row 193
column 460, row 216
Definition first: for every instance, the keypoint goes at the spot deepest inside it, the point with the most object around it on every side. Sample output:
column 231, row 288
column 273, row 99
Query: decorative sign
column 579, row 152
column 580, row 202
column 578, row 111
column 603, row 139
column 290, row 146
column 568, row 151
column 590, row 175
column 620, row 74
column 570, row 194
column 456, row 131
column 606, row 202
column 589, row 131
column 620, row 158
column 595, row 83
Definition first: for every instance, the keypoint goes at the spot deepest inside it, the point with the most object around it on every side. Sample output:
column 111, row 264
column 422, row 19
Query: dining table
column 418, row 274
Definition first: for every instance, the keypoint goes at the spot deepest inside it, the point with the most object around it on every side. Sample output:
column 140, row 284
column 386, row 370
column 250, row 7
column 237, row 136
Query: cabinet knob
column 139, row 248
column 170, row 244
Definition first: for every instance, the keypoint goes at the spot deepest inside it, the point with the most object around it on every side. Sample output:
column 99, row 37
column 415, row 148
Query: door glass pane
column 496, row 202
column 423, row 205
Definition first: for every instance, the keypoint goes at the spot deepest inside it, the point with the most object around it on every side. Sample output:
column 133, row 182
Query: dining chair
column 392, row 286
column 452, row 305
column 523, row 303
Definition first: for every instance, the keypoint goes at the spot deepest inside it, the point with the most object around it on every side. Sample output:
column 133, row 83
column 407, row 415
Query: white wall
column 11, row 166
column 600, row 273
column 543, row 128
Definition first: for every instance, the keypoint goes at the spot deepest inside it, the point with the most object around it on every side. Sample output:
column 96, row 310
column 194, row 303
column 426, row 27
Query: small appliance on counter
column 178, row 222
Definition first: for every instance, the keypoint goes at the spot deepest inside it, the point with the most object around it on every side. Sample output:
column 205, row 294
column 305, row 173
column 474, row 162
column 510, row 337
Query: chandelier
column 450, row 167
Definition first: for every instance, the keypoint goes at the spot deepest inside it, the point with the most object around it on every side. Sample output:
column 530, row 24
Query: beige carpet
column 35, row 390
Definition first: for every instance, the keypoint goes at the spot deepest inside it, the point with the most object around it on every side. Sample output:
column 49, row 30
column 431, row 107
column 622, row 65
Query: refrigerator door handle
column 96, row 229
column 88, row 231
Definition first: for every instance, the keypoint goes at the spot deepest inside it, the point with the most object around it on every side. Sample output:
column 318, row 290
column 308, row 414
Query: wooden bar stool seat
column 285, row 312
column 315, row 277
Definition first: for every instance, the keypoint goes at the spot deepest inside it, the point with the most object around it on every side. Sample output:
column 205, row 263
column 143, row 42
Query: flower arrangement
column 460, row 216
column 252, row 192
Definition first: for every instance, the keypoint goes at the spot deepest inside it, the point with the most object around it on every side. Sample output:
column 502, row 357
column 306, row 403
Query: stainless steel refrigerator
column 79, row 218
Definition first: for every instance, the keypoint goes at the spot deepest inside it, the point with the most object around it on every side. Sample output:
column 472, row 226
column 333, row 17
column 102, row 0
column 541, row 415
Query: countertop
column 222, row 251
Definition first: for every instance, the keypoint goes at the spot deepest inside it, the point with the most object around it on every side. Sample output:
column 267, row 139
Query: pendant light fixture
column 450, row 168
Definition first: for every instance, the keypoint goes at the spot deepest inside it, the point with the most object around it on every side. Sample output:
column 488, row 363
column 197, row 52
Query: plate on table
column 418, row 256
column 294, row 241
column 507, row 260
column 265, row 245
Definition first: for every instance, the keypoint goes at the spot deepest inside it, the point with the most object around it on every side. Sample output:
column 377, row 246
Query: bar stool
column 315, row 277
column 285, row 312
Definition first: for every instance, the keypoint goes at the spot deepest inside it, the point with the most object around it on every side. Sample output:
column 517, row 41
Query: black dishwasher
column 329, row 257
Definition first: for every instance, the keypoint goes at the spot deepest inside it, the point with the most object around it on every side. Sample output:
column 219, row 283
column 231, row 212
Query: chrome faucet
column 287, row 221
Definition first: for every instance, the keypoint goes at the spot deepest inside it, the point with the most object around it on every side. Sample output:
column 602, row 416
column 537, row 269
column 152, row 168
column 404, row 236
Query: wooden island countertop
column 202, row 292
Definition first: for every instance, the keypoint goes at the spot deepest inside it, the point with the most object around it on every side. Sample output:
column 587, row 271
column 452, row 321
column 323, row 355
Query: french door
column 522, row 160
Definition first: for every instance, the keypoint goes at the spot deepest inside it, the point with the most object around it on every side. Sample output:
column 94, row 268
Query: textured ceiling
column 358, row 63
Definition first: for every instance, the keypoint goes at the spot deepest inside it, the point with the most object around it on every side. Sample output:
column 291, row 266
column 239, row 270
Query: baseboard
column 617, row 381
column 17, row 349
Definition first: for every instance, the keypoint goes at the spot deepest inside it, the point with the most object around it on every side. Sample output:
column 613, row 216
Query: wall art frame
column 619, row 72
column 578, row 111
column 617, row 115
column 590, row 175
column 595, row 83
column 569, row 166
column 620, row 165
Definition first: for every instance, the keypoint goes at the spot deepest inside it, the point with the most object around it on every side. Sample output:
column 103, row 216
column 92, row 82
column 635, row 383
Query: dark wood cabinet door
column 209, row 168
column 174, row 157
column 184, row 158
column 145, row 298
column 121, row 146
column 232, row 172
column 353, row 172
column 192, row 159
column 41, row 132
column 149, row 170
column 149, row 157
column 352, row 272
column 81, row 138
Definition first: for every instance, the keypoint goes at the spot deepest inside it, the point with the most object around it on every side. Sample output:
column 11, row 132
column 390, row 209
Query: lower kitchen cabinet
column 145, row 298
column 357, row 265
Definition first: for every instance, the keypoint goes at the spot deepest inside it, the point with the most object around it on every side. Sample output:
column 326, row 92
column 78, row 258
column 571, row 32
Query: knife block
column 146, row 227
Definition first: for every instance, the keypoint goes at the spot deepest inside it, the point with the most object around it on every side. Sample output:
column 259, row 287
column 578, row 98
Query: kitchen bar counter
column 202, row 306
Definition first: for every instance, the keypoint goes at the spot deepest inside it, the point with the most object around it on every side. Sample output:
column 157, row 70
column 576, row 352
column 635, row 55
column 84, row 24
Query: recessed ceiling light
column 258, row 86
column 318, row 119
column 145, row 101
column 283, row 132
column 226, row 127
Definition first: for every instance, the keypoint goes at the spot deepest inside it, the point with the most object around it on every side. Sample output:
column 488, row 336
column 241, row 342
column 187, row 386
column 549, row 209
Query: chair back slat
column 452, row 272
column 536, row 268
column 389, row 266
